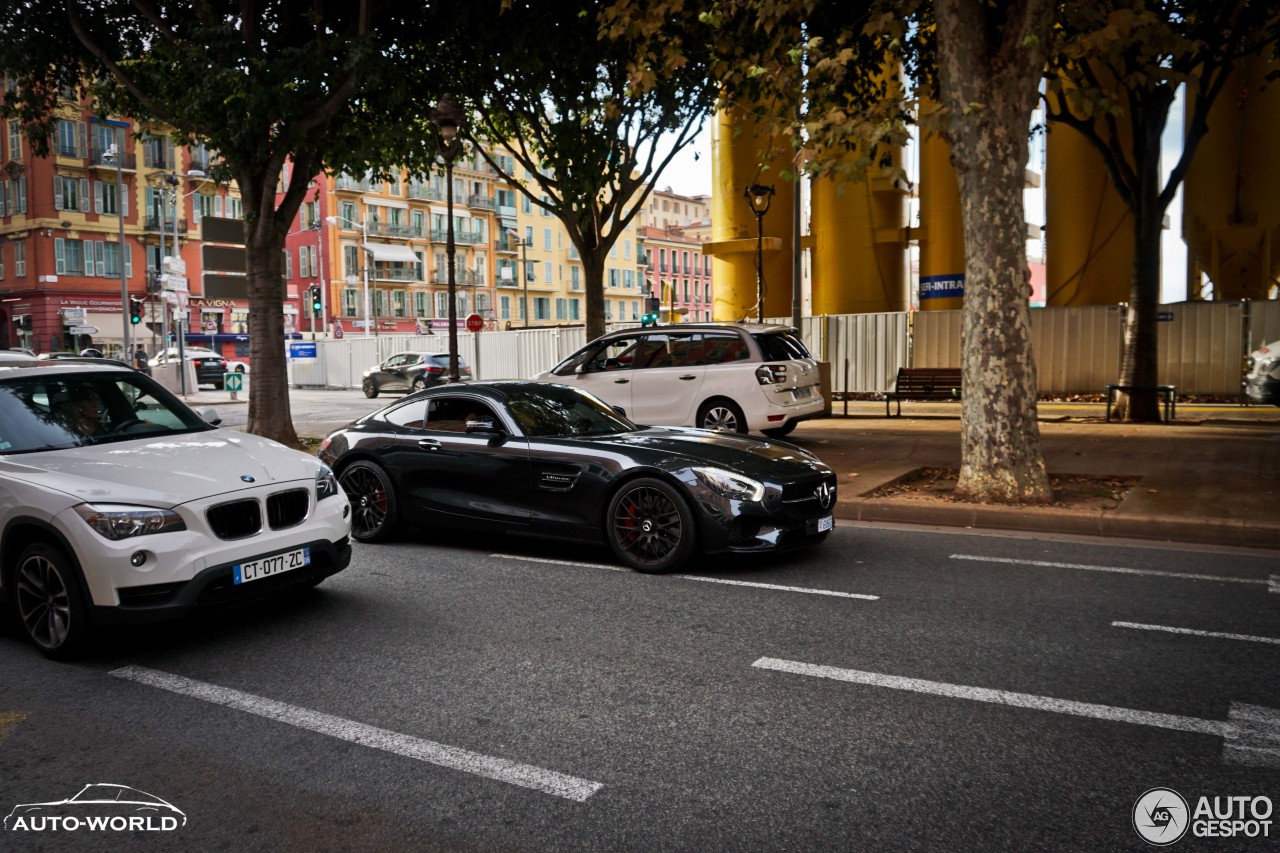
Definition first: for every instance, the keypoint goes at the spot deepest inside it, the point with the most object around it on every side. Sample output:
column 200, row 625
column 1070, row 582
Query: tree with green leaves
column 592, row 106
column 981, row 61
column 261, row 81
column 1112, row 77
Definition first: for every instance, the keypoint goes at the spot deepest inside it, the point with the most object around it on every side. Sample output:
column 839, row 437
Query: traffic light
column 317, row 307
column 652, row 305
column 135, row 311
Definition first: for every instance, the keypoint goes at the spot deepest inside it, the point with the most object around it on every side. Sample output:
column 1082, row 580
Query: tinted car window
column 450, row 414
column 410, row 415
column 552, row 410
column 617, row 354
column 782, row 347
column 69, row 410
column 723, row 348
column 442, row 359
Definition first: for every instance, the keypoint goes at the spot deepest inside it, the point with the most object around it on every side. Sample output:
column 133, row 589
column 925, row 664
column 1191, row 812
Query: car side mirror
column 482, row 425
column 211, row 417
column 580, row 369
column 618, row 410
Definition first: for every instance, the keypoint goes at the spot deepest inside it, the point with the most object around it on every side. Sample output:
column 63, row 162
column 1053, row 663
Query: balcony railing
column 425, row 192
column 394, row 229
column 69, row 149
column 155, row 160
column 106, row 158
column 482, row 202
column 153, row 223
column 439, row 235
column 467, row 277
column 506, row 244
column 382, row 273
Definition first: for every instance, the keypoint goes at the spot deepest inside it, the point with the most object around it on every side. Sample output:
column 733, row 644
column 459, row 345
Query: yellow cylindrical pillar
column 1230, row 208
column 1089, row 244
column 739, row 146
column 941, row 220
column 858, row 248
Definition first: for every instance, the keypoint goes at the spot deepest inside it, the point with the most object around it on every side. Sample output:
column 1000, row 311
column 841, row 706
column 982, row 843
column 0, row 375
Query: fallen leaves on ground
column 1069, row 491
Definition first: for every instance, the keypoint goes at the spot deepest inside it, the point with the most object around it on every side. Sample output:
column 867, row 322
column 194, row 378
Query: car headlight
column 1266, row 365
column 731, row 485
column 120, row 521
column 326, row 483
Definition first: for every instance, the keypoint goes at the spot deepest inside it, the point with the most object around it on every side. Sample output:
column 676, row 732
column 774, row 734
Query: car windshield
column 56, row 411
column 551, row 410
column 782, row 347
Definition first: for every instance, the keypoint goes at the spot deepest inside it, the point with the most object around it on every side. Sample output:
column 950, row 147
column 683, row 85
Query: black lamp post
column 448, row 121
column 759, row 197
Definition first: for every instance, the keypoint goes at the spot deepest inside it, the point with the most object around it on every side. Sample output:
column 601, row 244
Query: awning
column 388, row 252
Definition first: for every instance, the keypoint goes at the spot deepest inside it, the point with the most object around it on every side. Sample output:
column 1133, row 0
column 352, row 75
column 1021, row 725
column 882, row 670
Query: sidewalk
column 1212, row 476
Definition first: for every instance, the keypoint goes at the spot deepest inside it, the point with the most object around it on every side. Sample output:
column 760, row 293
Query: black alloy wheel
column 369, row 387
column 650, row 526
column 722, row 415
column 48, row 601
column 373, row 502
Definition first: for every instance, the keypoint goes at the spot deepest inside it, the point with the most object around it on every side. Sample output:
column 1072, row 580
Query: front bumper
column 1263, row 389
column 214, row 587
column 728, row 525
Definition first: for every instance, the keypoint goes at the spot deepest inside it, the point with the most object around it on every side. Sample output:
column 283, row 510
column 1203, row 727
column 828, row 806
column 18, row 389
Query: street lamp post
column 117, row 153
column 448, row 121
column 759, row 197
column 174, row 182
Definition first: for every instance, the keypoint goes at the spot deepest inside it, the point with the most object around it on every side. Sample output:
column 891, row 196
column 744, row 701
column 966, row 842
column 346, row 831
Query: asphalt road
column 959, row 692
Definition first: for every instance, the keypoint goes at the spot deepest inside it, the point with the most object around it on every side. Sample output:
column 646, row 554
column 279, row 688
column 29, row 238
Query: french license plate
column 267, row 566
column 825, row 523
column 804, row 393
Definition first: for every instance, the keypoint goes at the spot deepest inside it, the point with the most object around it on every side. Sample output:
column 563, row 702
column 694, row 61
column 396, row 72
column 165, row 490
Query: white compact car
column 1262, row 383
column 118, row 504
column 725, row 377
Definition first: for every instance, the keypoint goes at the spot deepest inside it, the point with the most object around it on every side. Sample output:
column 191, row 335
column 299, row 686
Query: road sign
column 174, row 282
column 475, row 323
column 302, row 350
column 233, row 382
column 210, row 325
column 84, row 330
column 76, row 315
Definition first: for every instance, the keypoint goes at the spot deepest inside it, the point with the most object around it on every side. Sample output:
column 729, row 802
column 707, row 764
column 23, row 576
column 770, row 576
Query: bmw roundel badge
column 246, row 478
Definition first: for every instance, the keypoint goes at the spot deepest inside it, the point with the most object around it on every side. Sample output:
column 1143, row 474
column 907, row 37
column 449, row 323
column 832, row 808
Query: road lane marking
column 9, row 721
column 1216, row 634
column 1274, row 583
column 780, row 588
column 524, row 775
column 999, row 697
column 1116, row 569
column 775, row 587
column 1251, row 733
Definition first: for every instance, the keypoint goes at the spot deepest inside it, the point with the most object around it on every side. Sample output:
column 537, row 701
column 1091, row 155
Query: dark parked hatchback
column 411, row 371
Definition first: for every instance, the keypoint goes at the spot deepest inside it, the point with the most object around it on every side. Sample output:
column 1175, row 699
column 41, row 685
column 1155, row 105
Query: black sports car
column 551, row 460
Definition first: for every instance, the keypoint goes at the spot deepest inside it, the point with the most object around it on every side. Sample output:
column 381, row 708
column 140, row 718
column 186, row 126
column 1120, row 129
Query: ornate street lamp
column 759, row 197
column 448, row 119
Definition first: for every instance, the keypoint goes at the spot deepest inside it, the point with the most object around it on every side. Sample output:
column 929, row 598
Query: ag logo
column 1160, row 816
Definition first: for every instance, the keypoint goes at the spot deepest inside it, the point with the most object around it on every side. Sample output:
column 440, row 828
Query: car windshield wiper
column 42, row 448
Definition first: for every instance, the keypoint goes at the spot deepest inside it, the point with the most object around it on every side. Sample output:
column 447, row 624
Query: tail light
column 433, row 369
column 771, row 374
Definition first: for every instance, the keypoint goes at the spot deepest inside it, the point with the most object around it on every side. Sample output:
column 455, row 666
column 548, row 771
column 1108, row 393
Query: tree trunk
column 1139, row 368
column 990, row 90
column 593, row 287
column 269, row 414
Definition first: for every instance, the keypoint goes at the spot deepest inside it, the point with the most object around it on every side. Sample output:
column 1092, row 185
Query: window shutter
column 83, row 197
column 100, row 262
column 57, row 192
column 20, row 189
column 122, row 199
column 99, row 189
column 171, row 161
column 128, row 260
column 83, row 133
column 59, row 256
column 217, row 205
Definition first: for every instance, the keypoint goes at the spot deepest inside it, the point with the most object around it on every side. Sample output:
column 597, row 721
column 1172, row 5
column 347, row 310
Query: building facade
column 673, row 229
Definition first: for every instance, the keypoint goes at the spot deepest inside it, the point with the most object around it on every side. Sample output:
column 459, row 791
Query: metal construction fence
column 1202, row 347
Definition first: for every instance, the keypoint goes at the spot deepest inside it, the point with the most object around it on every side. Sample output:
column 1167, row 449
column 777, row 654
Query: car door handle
column 690, row 376
column 621, row 381
column 429, row 444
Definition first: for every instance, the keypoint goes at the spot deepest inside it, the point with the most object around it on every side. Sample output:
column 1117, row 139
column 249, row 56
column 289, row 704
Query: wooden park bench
column 924, row 383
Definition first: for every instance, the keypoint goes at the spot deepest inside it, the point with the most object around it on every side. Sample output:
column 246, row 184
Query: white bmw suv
column 726, row 377
column 119, row 504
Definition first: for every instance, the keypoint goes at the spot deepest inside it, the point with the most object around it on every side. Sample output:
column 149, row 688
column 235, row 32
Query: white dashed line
column 999, row 697
column 1216, row 634
column 775, row 587
column 1251, row 733
column 1274, row 583
column 1116, row 569
column 511, row 772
